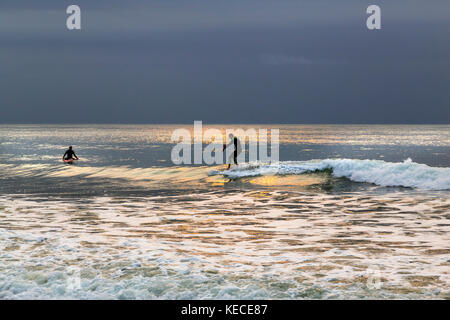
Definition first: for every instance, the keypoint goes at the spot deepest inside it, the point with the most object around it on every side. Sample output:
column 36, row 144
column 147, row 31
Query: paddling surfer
column 70, row 155
column 237, row 149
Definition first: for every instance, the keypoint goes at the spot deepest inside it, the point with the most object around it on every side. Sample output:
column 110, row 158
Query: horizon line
column 211, row 123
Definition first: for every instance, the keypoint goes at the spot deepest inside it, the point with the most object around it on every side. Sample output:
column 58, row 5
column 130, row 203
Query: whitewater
column 387, row 174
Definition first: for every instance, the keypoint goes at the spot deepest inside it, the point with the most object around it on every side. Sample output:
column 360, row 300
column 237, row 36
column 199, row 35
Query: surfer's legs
column 232, row 159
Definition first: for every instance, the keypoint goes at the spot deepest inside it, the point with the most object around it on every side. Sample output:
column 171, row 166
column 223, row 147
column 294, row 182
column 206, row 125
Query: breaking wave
column 388, row 174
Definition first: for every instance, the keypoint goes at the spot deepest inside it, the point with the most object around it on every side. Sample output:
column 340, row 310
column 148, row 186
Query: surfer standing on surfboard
column 237, row 149
column 70, row 155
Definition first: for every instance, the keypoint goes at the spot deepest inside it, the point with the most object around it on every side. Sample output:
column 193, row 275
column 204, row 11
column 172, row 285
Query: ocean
column 349, row 212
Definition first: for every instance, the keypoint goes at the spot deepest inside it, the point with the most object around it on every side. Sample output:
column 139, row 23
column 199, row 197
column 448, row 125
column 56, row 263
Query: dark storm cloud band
column 224, row 61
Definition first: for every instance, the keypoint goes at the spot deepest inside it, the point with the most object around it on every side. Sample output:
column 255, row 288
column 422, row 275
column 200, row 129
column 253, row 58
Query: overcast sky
column 225, row 61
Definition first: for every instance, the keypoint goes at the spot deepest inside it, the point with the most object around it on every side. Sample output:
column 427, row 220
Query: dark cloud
column 225, row 61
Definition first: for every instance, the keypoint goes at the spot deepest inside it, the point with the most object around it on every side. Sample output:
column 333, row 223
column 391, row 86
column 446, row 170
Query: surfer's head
column 70, row 147
column 231, row 136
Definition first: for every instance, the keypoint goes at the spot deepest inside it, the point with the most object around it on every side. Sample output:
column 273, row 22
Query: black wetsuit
column 69, row 154
column 235, row 142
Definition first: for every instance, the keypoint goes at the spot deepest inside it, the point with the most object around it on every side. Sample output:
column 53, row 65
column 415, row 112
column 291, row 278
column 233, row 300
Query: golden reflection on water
column 195, row 176
column 280, row 181
column 217, row 181
column 300, row 239
column 425, row 135
column 286, row 241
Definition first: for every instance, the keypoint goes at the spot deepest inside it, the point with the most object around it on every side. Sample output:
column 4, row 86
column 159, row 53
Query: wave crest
column 388, row 174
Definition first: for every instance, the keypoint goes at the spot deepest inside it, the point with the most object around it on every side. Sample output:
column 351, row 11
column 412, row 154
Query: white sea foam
column 404, row 174
column 229, row 246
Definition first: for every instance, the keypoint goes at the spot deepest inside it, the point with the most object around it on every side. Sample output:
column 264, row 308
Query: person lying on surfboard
column 237, row 149
column 70, row 155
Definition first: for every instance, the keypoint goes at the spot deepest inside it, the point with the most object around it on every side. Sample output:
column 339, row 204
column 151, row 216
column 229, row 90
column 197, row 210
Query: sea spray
column 402, row 174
